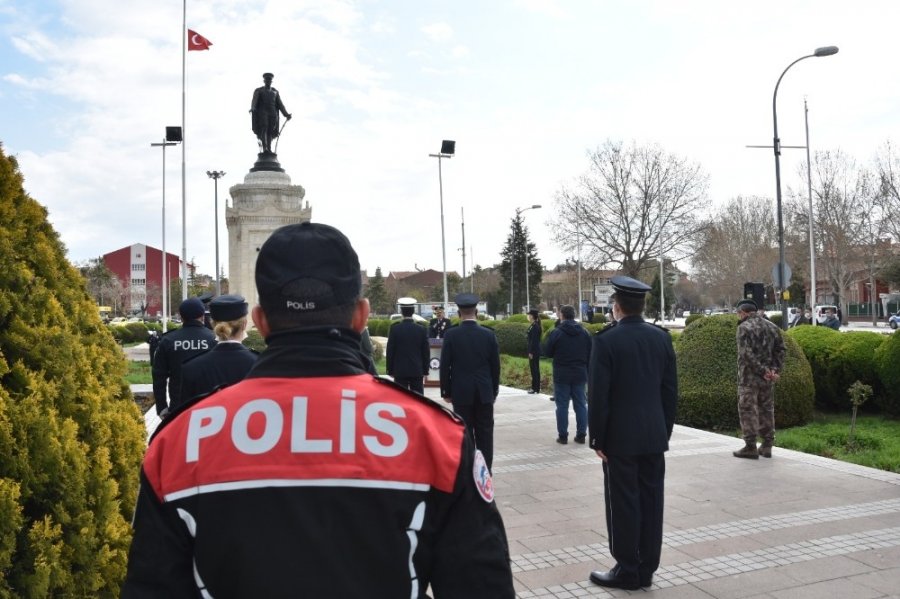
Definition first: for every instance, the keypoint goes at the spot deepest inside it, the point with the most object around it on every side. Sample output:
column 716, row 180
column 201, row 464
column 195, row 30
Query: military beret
column 466, row 300
column 191, row 309
column 228, row 307
column 628, row 286
column 305, row 267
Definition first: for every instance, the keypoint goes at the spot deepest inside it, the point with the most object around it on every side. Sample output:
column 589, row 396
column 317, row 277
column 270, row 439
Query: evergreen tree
column 652, row 305
column 522, row 251
column 378, row 297
column 71, row 436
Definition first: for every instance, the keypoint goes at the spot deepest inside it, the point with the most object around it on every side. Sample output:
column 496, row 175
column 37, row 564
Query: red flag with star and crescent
column 197, row 41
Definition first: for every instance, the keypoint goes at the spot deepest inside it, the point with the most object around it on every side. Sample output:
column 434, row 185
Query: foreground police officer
column 470, row 373
column 227, row 362
column 633, row 392
column 407, row 349
column 174, row 348
column 311, row 477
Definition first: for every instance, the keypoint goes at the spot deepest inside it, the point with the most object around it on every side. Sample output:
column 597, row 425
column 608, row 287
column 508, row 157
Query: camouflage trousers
column 756, row 408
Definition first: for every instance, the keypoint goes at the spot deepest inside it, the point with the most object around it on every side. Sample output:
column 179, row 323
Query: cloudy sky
column 525, row 87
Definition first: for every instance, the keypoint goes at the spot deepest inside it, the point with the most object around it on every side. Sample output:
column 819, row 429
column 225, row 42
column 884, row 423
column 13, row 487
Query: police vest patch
column 483, row 481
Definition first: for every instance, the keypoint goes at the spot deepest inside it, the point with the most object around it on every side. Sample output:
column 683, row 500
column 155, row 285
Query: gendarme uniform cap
column 228, row 307
column 305, row 267
column 407, row 301
column 747, row 305
column 628, row 286
column 466, row 300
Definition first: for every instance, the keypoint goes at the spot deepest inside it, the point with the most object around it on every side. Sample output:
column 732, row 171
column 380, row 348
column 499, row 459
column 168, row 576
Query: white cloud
column 438, row 32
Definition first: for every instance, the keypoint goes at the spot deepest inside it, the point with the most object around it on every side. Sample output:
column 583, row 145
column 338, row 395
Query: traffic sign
column 777, row 280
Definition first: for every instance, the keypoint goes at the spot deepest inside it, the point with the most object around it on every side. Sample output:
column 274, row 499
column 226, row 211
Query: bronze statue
column 264, row 108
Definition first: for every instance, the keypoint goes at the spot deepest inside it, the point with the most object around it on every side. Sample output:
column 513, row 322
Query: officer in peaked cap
column 632, row 396
column 205, row 299
column 229, row 361
column 408, row 353
column 310, row 445
column 470, row 373
column 438, row 325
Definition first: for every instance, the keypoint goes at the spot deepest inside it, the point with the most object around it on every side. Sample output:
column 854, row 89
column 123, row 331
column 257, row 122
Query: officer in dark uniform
column 153, row 344
column 229, row 360
column 206, row 298
column 407, row 349
column 174, row 348
column 438, row 325
column 534, row 350
column 312, row 477
column 633, row 392
column 470, row 373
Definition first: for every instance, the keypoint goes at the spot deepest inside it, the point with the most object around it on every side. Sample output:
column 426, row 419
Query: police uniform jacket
column 470, row 364
column 223, row 365
column 407, row 350
column 569, row 345
column 313, row 478
column 534, row 338
column 437, row 327
column 632, row 389
column 174, row 348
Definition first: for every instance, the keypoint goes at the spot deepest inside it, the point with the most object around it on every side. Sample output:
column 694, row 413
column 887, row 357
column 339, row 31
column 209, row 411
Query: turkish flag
column 197, row 41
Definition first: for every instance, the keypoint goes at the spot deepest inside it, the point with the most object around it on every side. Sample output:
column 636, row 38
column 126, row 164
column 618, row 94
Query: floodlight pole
column 215, row 176
column 165, row 281
column 451, row 146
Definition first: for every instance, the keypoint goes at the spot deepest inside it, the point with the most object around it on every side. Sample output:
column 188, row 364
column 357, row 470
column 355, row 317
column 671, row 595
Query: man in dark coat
column 470, row 374
column 438, row 325
column 534, row 350
column 569, row 345
column 633, row 394
column 174, row 349
column 229, row 360
column 407, row 349
column 264, row 108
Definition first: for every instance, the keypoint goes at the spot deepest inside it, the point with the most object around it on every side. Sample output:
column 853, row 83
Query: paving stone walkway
column 792, row 527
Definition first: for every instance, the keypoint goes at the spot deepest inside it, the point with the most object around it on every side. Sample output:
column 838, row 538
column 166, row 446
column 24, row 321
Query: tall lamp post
column 448, row 149
column 173, row 136
column 812, row 245
column 512, row 260
column 776, row 143
column 215, row 176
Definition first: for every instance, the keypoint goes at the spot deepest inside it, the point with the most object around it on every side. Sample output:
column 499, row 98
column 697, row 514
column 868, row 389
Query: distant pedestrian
column 229, row 360
column 534, row 350
column 174, row 348
column 831, row 320
column 470, row 374
column 153, row 344
column 633, row 390
column 407, row 349
column 760, row 360
column 569, row 345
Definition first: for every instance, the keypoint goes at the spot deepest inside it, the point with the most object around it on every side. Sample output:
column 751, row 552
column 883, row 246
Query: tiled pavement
column 794, row 526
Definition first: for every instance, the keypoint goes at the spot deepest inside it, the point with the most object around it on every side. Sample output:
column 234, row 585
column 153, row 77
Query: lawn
column 876, row 440
column 138, row 373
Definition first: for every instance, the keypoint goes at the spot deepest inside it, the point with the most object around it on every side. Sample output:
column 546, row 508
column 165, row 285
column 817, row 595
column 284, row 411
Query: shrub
column 379, row 327
column 512, row 338
column 255, row 340
column 887, row 361
column 518, row 318
column 137, row 330
column 599, row 318
column 71, row 436
column 692, row 318
column 707, row 378
column 776, row 319
column 515, row 372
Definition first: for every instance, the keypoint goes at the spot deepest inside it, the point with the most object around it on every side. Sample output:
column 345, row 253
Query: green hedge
column 515, row 372
column 512, row 337
column 692, row 318
column 707, row 378
column 887, row 361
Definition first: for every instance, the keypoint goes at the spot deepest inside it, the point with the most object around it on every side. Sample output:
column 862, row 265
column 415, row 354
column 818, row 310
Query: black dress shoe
column 579, row 439
column 531, row 392
column 647, row 581
column 613, row 580
column 562, row 440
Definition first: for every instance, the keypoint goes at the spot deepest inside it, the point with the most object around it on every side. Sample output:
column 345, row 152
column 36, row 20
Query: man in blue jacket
column 569, row 345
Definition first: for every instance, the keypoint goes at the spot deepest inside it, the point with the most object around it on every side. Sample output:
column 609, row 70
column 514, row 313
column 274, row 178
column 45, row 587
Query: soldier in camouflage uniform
column 760, row 360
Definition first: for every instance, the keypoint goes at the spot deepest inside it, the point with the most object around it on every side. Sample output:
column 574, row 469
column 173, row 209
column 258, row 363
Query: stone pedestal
column 265, row 201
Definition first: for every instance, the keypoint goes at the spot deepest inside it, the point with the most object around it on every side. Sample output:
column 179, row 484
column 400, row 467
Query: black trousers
column 535, row 365
column 413, row 383
column 634, row 511
column 479, row 419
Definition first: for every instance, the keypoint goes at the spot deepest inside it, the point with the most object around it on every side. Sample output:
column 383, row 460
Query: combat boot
column 748, row 451
column 765, row 450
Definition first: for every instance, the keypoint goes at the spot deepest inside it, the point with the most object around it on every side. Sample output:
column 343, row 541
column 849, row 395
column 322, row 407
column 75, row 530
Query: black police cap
column 306, row 267
column 228, row 307
column 466, row 300
column 629, row 287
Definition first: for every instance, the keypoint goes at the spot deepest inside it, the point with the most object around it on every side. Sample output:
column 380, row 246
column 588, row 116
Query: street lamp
column 448, row 149
column 776, row 143
column 173, row 136
column 512, row 258
column 215, row 176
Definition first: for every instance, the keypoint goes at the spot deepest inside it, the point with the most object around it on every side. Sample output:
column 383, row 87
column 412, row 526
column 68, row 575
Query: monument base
column 267, row 161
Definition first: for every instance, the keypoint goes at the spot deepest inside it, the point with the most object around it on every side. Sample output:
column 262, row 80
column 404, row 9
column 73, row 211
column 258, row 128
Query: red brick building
column 139, row 268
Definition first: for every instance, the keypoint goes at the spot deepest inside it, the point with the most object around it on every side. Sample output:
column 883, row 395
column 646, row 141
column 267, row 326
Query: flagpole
column 184, row 290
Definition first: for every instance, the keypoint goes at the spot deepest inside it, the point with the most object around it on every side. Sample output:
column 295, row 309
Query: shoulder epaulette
column 661, row 327
column 608, row 327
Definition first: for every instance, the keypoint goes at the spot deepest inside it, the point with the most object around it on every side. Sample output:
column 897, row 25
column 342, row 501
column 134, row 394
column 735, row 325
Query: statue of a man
column 264, row 108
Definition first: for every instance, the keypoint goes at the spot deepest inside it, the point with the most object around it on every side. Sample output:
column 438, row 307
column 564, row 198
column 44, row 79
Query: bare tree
column 630, row 198
column 738, row 245
column 887, row 165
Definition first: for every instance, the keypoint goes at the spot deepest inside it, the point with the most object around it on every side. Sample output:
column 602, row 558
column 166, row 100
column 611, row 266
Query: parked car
column 894, row 320
column 550, row 314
